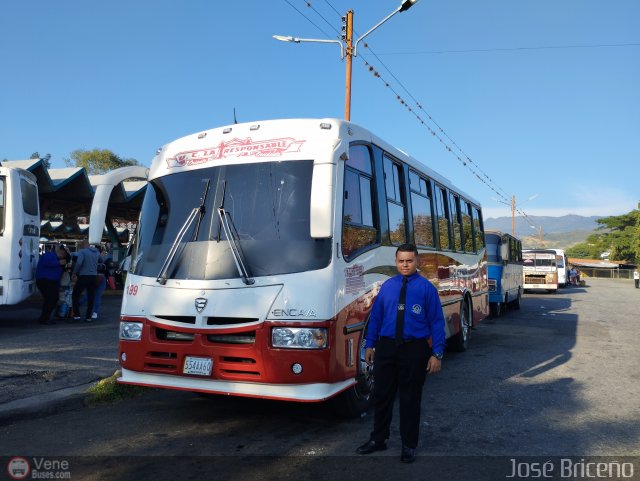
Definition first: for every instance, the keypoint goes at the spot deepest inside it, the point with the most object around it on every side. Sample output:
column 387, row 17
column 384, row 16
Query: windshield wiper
column 226, row 221
column 178, row 245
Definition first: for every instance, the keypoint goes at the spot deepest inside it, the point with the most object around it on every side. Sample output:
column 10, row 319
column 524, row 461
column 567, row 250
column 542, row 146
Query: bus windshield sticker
column 354, row 277
column 236, row 148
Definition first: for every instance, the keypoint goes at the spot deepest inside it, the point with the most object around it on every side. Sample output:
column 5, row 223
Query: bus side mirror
column 321, row 206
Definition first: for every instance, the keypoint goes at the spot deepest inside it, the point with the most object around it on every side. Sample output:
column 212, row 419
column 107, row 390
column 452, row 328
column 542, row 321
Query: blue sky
column 542, row 95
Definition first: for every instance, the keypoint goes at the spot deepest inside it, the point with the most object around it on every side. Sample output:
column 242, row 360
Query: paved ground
column 560, row 377
column 40, row 366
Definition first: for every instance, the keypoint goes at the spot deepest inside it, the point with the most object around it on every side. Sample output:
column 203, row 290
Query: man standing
column 85, row 272
column 48, row 273
column 398, row 338
column 636, row 278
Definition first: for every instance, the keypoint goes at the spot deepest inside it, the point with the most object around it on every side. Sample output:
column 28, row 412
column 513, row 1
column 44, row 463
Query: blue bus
column 504, row 256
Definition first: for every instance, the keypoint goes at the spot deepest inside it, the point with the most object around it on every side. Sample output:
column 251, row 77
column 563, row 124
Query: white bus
column 561, row 262
column 540, row 269
column 260, row 250
column 19, row 234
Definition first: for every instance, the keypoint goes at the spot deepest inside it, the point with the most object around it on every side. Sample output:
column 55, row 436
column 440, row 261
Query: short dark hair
column 407, row 248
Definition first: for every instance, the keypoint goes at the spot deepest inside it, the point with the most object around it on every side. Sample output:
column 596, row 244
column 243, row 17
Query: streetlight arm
column 404, row 6
column 355, row 46
column 283, row 38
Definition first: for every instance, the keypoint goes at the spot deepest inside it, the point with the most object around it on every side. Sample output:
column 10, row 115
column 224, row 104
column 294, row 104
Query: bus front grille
column 225, row 321
column 239, row 338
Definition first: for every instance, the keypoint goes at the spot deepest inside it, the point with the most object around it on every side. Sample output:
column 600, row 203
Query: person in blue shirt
column 48, row 274
column 400, row 326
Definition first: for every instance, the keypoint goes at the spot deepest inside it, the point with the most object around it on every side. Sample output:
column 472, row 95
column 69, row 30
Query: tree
column 97, row 161
column 622, row 239
column 46, row 160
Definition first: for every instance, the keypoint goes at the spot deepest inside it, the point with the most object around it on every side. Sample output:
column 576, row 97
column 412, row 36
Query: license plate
column 200, row 366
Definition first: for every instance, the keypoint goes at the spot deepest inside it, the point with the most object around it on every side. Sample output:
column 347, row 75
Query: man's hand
column 434, row 365
column 369, row 354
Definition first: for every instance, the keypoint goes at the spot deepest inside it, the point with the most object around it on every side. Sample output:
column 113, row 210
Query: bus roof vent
column 325, row 125
column 254, row 127
column 227, row 130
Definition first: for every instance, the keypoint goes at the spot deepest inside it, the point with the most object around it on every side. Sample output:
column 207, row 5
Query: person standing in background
column 85, row 272
column 48, row 274
column 101, row 282
column 636, row 278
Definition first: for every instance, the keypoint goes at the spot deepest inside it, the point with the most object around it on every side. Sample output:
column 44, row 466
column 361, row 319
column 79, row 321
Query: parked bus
column 540, row 268
column 19, row 234
column 561, row 261
column 261, row 248
column 504, row 255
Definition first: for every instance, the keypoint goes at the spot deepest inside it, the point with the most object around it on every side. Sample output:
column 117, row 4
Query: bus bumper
column 285, row 392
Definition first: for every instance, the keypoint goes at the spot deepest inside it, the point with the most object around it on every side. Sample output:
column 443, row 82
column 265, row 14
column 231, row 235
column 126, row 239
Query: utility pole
column 349, row 48
column 348, row 38
column 540, row 236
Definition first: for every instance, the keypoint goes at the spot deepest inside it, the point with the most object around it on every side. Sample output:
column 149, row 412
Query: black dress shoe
column 371, row 446
column 408, row 455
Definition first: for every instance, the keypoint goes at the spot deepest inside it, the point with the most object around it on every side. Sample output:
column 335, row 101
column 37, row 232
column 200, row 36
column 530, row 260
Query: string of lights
column 464, row 161
column 448, row 143
column 433, row 121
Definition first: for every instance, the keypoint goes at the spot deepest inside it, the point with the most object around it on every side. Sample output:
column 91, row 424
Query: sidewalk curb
column 46, row 404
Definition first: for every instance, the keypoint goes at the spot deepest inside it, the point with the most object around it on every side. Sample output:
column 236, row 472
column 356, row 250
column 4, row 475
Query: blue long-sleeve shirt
column 49, row 267
column 423, row 312
column 87, row 262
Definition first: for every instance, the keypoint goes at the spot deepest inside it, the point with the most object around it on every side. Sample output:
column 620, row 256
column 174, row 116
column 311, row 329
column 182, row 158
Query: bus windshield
column 539, row 260
column 267, row 204
column 493, row 247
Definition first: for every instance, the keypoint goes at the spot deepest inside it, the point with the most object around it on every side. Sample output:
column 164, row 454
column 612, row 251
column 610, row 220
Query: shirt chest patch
column 417, row 308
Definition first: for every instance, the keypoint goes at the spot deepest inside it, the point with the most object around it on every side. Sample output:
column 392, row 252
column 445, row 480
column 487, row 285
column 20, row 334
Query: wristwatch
column 437, row 355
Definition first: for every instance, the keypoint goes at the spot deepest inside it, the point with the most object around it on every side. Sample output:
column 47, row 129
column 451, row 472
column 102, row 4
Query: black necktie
column 400, row 314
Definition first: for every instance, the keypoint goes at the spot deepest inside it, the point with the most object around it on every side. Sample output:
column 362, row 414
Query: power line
column 440, row 134
column 514, row 49
column 307, row 18
column 309, row 5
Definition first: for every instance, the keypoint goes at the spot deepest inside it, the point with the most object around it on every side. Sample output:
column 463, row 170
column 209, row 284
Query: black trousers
column 88, row 283
column 50, row 292
column 400, row 369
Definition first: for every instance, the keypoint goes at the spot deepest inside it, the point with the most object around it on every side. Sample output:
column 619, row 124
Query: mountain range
column 558, row 232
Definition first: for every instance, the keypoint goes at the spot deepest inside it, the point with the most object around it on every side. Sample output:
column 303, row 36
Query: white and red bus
column 540, row 269
column 19, row 234
column 260, row 250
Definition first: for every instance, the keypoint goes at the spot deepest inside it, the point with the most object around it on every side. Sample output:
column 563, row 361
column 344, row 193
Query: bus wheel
column 494, row 310
column 356, row 400
column 516, row 303
column 460, row 341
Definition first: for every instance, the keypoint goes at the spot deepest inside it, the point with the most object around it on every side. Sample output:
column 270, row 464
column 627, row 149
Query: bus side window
column 456, row 222
column 442, row 209
column 466, row 227
column 421, row 206
column 478, row 229
column 359, row 225
column 395, row 206
column 29, row 197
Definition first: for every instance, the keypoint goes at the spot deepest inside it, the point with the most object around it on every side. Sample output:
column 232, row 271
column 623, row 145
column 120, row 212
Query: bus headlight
column 299, row 337
column 130, row 331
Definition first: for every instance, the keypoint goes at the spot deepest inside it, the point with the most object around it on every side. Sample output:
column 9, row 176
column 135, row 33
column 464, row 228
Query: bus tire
column 494, row 310
column 516, row 303
column 460, row 341
column 357, row 399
